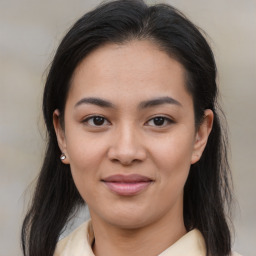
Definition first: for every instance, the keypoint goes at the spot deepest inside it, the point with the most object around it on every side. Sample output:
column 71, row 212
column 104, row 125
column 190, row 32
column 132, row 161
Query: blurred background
column 30, row 32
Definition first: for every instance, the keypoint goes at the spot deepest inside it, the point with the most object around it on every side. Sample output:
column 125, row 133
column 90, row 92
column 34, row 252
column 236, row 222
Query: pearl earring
column 62, row 157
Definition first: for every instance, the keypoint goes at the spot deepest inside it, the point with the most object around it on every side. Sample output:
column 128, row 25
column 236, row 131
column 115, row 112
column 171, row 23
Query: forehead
column 137, row 68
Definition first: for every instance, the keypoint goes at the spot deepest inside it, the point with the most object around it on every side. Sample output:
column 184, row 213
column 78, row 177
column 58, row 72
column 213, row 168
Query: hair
column 207, row 193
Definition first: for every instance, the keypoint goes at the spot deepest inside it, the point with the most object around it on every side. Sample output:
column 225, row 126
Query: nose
column 127, row 147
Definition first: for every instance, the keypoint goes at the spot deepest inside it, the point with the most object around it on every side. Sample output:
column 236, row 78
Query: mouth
column 127, row 185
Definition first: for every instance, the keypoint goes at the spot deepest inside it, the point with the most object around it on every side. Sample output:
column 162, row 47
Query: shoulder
column 76, row 243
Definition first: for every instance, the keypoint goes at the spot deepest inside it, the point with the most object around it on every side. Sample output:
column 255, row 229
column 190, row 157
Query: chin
column 131, row 219
column 122, row 218
column 130, row 222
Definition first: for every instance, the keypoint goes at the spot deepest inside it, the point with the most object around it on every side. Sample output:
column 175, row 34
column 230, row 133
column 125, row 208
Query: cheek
column 174, row 150
column 84, row 151
column 172, row 156
column 85, row 157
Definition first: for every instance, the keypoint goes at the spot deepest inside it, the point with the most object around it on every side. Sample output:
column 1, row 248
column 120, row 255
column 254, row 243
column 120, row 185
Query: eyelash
column 93, row 118
column 88, row 119
column 166, row 120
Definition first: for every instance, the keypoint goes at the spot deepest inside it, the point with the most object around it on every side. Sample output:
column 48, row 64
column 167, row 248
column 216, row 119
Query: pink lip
column 127, row 185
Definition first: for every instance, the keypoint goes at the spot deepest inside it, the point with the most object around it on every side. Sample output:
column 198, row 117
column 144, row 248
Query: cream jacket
column 78, row 243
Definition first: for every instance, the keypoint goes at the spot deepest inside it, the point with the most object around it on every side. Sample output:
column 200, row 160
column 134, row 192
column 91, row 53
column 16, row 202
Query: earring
column 62, row 156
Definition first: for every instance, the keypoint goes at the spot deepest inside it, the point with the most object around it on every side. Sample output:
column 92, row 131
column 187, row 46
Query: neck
column 148, row 240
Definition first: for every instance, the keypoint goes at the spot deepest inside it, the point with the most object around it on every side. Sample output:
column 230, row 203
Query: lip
column 127, row 185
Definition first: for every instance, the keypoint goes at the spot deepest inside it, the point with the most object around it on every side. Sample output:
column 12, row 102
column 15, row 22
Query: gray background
column 29, row 34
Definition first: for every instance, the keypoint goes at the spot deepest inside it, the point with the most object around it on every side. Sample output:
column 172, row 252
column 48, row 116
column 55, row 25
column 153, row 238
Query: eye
column 159, row 121
column 96, row 121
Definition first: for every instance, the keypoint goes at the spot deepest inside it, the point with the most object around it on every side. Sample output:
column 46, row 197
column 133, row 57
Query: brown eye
column 159, row 121
column 96, row 121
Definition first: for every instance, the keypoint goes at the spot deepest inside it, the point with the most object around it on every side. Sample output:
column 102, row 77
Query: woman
column 130, row 105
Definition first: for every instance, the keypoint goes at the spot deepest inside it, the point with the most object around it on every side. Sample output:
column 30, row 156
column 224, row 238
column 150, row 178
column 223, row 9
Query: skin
column 129, row 142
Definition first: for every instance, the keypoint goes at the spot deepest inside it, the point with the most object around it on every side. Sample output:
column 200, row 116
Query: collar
column 79, row 242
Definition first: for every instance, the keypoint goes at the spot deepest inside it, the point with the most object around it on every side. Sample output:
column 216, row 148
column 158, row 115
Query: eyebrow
column 95, row 101
column 144, row 104
column 159, row 101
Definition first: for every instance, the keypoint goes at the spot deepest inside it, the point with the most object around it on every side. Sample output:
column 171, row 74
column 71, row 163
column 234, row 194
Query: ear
column 202, row 135
column 60, row 134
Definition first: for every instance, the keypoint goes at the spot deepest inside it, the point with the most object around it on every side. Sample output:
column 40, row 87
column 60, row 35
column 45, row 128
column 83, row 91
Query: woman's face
column 130, row 134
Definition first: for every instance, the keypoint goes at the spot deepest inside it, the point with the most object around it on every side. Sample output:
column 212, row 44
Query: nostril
column 126, row 150
column 125, row 162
